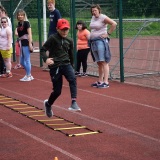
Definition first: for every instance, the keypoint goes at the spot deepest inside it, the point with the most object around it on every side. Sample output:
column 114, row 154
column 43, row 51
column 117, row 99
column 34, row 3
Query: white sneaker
column 32, row 78
column 26, row 78
column 23, row 78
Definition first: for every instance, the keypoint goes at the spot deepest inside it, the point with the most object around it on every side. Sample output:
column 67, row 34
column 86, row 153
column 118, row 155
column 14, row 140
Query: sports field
column 120, row 122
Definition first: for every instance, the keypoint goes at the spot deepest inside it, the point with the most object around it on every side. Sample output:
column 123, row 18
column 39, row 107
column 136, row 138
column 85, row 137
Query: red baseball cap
column 63, row 23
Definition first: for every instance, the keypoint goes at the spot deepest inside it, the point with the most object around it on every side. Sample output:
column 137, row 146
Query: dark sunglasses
column 3, row 22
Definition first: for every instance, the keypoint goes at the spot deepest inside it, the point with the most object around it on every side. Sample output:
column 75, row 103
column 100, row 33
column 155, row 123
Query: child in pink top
column 6, row 46
column 82, row 48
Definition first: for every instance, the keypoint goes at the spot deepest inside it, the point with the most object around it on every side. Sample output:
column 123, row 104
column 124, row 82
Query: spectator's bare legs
column 8, row 64
column 100, row 71
column 106, row 71
column 18, row 59
column 103, row 69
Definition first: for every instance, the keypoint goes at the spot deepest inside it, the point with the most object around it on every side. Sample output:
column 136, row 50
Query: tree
column 64, row 7
column 141, row 8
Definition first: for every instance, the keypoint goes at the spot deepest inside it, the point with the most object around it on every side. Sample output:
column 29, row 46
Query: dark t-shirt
column 22, row 30
column 53, row 18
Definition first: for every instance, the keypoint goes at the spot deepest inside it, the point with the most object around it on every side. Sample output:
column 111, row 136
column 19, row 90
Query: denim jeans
column 100, row 51
column 25, row 60
column 57, row 81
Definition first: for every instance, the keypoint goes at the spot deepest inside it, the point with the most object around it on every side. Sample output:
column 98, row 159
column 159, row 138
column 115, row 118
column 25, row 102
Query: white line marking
column 115, row 98
column 120, row 99
column 95, row 119
column 40, row 140
column 118, row 127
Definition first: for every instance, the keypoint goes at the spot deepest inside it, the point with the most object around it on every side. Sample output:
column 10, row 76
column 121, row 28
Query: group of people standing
column 60, row 58
column 98, row 39
column 24, row 33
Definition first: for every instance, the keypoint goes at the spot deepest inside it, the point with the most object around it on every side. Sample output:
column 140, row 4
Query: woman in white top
column 3, row 13
column 6, row 46
column 99, row 36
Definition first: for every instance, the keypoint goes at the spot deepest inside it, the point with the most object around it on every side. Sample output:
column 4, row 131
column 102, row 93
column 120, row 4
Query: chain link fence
column 140, row 30
column 141, row 39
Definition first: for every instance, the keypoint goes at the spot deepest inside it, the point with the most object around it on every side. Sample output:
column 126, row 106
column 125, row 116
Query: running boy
column 60, row 62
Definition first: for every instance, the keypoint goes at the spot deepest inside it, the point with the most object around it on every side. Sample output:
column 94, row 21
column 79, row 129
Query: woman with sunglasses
column 3, row 13
column 6, row 46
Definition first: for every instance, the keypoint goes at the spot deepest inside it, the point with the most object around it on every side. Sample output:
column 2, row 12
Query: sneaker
column 74, row 107
column 77, row 74
column 32, row 78
column 103, row 85
column 7, row 75
column 10, row 75
column 95, row 84
column 17, row 66
column 26, row 78
column 84, row 74
column 48, row 109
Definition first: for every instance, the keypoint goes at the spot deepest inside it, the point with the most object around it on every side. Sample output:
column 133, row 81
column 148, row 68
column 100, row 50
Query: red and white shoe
column 17, row 66
column 7, row 75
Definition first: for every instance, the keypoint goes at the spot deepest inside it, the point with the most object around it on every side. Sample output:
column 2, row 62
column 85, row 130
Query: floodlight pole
column 44, row 20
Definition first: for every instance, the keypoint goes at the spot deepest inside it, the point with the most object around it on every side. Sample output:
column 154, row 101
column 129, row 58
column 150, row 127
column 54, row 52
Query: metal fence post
column 39, row 28
column 12, row 21
column 121, row 42
column 73, row 14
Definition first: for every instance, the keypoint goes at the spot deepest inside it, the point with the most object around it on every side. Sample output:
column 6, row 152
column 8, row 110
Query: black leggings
column 82, row 59
column 1, row 64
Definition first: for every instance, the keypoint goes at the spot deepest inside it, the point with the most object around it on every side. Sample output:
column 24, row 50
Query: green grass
column 130, row 29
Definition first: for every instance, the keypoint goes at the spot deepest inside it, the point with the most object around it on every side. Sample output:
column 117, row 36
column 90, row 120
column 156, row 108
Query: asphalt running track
column 127, row 115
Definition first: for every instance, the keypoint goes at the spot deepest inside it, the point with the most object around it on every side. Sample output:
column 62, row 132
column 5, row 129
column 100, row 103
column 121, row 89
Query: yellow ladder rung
column 31, row 111
column 49, row 120
column 9, row 102
column 38, row 115
column 4, row 98
column 69, row 128
column 19, row 104
column 25, row 108
column 59, row 124
column 81, row 134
